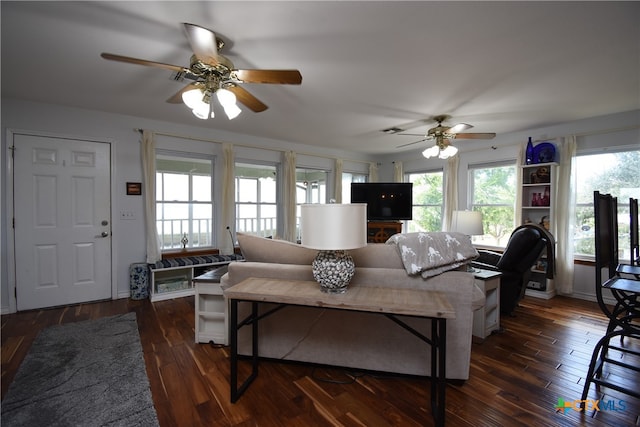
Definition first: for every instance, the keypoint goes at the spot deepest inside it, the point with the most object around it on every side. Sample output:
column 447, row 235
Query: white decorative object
column 333, row 229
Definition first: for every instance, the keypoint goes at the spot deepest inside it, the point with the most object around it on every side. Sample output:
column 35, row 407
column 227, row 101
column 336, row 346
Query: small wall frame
column 134, row 188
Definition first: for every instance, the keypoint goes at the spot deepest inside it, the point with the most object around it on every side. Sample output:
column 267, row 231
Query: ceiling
column 366, row 66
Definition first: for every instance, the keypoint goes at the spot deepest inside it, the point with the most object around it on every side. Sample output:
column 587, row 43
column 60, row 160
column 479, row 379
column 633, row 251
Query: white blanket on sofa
column 430, row 254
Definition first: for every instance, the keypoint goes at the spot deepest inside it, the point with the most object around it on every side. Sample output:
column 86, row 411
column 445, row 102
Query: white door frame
column 11, row 238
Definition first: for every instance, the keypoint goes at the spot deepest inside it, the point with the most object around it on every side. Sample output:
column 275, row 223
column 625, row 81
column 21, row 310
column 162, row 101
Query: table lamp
column 333, row 229
column 469, row 223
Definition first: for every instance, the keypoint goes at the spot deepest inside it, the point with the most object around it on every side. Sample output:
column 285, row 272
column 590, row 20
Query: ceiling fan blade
column 247, row 99
column 112, row 57
column 411, row 134
column 287, row 77
column 177, row 97
column 411, row 143
column 457, row 128
column 489, row 135
column 203, row 43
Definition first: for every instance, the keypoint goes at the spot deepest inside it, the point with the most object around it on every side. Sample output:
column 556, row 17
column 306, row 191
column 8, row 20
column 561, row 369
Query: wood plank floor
column 517, row 376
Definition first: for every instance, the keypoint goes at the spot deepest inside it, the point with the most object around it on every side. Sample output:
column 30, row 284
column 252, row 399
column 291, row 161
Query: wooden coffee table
column 390, row 302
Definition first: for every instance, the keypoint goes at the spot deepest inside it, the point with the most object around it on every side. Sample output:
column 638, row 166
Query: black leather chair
column 525, row 247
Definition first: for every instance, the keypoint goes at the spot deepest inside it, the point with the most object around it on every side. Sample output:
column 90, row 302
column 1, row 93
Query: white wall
column 128, row 235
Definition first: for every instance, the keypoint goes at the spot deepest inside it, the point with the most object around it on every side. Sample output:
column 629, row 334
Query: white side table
column 210, row 308
column 487, row 319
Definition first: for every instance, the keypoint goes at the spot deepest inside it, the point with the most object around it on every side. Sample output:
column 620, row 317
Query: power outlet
column 127, row 215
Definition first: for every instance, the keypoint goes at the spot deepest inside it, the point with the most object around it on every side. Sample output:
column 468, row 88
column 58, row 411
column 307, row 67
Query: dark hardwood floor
column 517, row 376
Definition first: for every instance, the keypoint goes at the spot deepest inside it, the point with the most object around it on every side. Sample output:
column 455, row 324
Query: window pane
column 176, row 187
column 184, row 204
column 247, row 189
column 617, row 174
column 201, row 188
column 347, row 179
column 267, row 190
column 425, row 218
column 256, row 195
column 428, row 201
column 493, row 191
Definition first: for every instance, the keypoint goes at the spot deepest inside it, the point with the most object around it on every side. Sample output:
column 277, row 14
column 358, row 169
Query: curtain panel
column 148, row 154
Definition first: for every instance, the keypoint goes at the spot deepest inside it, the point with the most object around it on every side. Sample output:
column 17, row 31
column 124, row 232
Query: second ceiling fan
column 442, row 135
column 212, row 73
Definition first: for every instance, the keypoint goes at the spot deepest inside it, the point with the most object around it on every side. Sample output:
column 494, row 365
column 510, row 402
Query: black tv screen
column 386, row 201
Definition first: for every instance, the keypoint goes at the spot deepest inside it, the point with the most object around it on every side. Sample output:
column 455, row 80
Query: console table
column 388, row 302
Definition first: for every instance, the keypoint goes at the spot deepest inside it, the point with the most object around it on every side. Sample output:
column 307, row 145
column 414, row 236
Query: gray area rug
column 89, row 373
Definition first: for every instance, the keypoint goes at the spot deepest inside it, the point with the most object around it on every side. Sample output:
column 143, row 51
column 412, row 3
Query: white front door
column 62, row 229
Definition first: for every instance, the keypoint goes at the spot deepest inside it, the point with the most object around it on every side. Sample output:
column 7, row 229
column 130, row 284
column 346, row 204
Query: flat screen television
column 386, row 201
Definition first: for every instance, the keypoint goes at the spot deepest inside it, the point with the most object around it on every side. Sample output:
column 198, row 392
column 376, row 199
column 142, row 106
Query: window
column 256, row 190
column 347, row 179
column 428, row 201
column 617, row 174
column 493, row 192
column 311, row 187
column 184, row 202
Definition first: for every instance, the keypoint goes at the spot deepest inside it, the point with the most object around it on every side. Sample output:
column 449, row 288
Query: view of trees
column 427, row 201
column 604, row 172
column 494, row 194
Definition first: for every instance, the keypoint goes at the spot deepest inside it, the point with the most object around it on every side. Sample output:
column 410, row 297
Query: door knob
column 104, row 234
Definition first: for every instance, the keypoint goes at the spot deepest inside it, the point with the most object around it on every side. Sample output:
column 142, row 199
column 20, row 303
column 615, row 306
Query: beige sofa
column 362, row 341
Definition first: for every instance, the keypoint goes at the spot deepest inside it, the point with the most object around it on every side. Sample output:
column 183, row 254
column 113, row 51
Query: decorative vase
column 529, row 153
column 333, row 270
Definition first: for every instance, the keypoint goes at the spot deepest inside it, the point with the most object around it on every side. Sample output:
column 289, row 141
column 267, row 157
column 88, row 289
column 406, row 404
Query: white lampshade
column 232, row 111
column 202, row 111
column 192, row 98
column 431, row 151
column 449, row 151
column 467, row 222
column 334, row 226
column 226, row 97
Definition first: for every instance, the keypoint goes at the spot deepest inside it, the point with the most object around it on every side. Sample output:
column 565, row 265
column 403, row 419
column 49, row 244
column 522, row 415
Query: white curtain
column 148, row 154
column 227, row 225
column 373, row 172
column 450, row 191
column 337, row 196
column 398, row 172
column 565, row 212
column 518, row 216
column 289, row 196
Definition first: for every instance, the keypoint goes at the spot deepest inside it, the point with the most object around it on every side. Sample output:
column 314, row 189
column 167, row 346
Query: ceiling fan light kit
column 443, row 152
column 214, row 73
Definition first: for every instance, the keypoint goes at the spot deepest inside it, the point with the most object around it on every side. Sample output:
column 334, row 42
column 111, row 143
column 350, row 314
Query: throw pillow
column 260, row 249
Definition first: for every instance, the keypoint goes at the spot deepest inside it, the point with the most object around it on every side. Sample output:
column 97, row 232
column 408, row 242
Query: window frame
column 161, row 202
column 502, row 240
column 276, row 223
column 622, row 202
column 409, row 225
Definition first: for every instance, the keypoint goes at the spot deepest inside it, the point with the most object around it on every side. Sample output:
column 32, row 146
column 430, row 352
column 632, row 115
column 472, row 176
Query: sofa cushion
column 377, row 255
column 261, row 249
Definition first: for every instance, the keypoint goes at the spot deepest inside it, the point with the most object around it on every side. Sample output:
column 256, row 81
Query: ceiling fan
column 212, row 73
column 443, row 136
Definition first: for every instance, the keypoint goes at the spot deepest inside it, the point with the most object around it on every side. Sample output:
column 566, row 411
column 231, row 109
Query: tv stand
column 380, row 231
